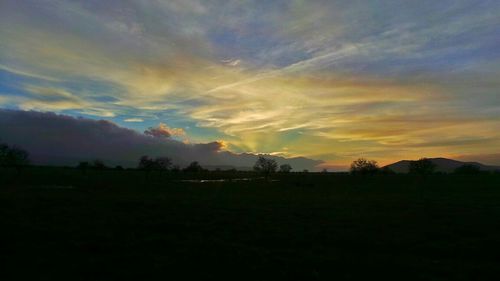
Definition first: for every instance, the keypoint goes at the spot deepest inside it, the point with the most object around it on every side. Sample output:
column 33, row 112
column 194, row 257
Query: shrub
column 193, row 167
column 98, row 164
column 363, row 166
column 285, row 168
column 158, row 164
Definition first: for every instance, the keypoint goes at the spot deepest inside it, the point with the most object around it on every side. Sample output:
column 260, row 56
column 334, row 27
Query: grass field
column 64, row 224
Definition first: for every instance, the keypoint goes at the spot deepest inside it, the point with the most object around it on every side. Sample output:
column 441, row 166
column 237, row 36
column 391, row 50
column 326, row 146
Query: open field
column 64, row 224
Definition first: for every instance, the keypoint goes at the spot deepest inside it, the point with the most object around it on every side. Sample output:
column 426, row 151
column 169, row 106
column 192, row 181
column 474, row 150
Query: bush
column 98, row 165
column 364, row 167
column 158, row 164
column 194, row 167
column 285, row 168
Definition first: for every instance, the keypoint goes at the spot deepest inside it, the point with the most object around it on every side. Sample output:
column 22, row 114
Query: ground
column 66, row 224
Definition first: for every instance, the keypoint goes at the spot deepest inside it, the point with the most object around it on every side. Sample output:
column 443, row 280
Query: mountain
column 442, row 165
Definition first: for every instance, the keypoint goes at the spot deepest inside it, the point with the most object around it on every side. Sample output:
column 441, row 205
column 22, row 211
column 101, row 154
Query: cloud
column 488, row 159
column 28, row 74
column 229, row 62
column 64, row 140
column 164, row 131
column 134, row 120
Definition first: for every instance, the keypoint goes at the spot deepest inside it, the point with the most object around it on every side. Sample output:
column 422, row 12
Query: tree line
column 13, row 156
column 265, row 166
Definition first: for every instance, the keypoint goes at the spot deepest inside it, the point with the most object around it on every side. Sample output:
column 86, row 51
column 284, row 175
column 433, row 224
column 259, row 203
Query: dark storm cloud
column 64, row 140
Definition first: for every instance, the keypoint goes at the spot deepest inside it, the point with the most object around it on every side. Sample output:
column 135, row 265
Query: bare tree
column 265, row 166
column 363, row 166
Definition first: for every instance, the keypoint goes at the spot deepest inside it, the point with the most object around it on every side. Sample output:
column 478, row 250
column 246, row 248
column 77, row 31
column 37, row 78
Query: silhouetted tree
column 158, row 164
column 363, row 166
column 176, row 168
column 98, row 164
column 324, row 170
column 193, row 167
column 83, row 166
column 145, row 163
column 285, row 168
column 422, row 166
column 265, row 166
column 163, row 163
column 13, row 156
column 468, row 169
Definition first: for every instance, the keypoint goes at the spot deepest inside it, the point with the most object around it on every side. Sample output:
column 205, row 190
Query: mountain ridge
column 444, row 165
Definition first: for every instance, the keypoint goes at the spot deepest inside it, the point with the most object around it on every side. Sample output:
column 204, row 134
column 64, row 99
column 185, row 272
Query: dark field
column 64, row 224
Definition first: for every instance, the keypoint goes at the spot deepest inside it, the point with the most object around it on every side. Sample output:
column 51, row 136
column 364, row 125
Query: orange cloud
column 164, row 131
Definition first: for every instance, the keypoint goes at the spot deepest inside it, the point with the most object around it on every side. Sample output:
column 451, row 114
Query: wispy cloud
column 134, row 120
column 332, row 79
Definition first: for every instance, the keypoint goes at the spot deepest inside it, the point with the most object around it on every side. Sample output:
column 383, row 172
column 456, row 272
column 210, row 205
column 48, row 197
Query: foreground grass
column 62, row 224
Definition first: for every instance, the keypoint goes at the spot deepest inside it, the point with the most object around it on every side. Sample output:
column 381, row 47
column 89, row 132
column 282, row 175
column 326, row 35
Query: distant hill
column 442, row 165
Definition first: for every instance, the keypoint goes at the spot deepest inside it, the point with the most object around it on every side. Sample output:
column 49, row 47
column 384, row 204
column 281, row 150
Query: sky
column 327, row 80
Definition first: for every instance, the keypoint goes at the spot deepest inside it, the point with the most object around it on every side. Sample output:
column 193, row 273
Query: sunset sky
column 328, row 80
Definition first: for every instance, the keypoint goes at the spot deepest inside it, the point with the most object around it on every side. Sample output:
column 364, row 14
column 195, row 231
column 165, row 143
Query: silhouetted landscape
column 159, row 221
column 442, row 165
